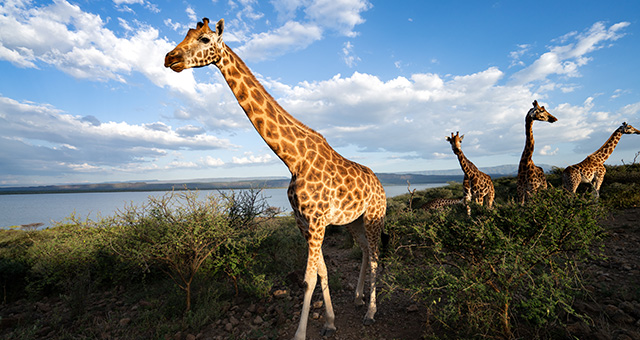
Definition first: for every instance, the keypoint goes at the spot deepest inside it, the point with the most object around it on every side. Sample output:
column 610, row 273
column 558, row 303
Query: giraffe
column 531, row 178
column 439, row 203
column 476, row 184
column 591, row 169
column 325, row 188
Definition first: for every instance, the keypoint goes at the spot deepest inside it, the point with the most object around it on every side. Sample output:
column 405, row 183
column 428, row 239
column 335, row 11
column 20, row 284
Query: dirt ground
column 613, row 305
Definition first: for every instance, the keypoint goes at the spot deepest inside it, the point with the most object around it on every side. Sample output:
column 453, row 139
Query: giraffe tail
column 385, row 245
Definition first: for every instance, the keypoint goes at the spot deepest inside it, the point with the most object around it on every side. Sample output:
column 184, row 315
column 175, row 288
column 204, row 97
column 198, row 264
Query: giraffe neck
column 467, row 167
column 607, row 148
column 527, row 154
column 284, row 134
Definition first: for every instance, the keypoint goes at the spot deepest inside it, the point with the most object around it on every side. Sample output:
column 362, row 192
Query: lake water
column 18, row 210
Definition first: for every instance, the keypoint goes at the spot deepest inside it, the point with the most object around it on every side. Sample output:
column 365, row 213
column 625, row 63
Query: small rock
column 144, row 303
column 234, row 321
column 190, row 337
column 622, row 317
column 578, row 328
column 412, row 308
column 258, row 320
column 318, row 304
column 247, row 314
column 252, row 308
column 43, row 307
column 280, row 293
column 315, row 315
column 630, row 308
column 228, row 327
column 124, row 322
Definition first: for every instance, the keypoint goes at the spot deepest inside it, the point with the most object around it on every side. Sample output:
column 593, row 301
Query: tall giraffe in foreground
column 476, row 184
column 531, row 177
column 325, row 189
column 591, row 169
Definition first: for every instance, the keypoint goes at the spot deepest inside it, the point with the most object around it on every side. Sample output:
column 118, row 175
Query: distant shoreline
column 272, row 183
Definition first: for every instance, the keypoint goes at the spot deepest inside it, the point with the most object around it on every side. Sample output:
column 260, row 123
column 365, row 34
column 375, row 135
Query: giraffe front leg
column 329, row 325
column 310, row 280
column 597, row 182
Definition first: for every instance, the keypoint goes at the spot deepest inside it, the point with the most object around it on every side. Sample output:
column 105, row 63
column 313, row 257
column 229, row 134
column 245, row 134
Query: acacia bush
column 479, row 275
column 181, row 234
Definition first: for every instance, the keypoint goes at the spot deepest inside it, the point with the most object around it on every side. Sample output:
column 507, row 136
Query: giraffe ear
column 461, row 137
column 220, row 27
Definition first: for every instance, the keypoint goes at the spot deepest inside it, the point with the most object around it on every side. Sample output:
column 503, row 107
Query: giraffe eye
column 205, row 40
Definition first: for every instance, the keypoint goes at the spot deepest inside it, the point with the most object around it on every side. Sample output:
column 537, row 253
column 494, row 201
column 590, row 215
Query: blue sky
column 84, row 96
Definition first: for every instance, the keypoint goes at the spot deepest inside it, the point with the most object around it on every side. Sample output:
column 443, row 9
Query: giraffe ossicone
column 325, row 188
column 531, row 178
column 591, row 169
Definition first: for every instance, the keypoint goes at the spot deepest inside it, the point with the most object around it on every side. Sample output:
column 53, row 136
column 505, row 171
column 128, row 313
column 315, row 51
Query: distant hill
column 500, row 170
column 428, row 176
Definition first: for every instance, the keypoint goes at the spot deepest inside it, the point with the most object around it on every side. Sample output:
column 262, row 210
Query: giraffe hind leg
column 374, row 227
column 369, row 249
column 356, row 228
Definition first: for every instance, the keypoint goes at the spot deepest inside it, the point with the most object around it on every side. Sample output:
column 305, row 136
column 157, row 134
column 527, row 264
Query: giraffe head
column 538, row 112
column 628, row 129
column 455, row 141
column 200, row 47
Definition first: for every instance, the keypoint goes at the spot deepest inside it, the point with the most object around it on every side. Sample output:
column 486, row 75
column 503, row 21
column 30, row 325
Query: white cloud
column 41, row 132
column 249, row 158
column 566, row 59
column 128, row 2
column 347, row 55
column 338, row 15
column 211, row 162
column 546, row 151
column 290, row 37
column 191, row 14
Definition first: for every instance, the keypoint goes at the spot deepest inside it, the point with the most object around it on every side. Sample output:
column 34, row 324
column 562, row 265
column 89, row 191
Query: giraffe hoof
column 328, row 331
column 368, row 321
column 359, row 302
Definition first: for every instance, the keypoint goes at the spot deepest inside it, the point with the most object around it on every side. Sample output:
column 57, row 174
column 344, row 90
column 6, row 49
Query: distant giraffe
column 591, row 169
column 476, row 184
column 439, row 203
column 325, row 189
column 531, row 178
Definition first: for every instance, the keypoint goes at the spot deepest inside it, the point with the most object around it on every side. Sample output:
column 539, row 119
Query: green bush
column 183, row 236
column 478, row 275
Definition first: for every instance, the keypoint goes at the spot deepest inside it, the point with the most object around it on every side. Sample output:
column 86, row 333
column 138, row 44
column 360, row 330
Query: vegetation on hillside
column 511, row 271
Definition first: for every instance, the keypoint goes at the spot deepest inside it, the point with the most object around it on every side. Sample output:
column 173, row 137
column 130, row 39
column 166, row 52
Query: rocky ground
column 613, row 306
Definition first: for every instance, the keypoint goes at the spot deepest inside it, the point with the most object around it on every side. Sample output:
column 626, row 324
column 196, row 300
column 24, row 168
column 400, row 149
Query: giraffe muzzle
column 174, row 61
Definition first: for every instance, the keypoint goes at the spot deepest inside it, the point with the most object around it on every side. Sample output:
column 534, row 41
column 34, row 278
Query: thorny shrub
column 479, row 275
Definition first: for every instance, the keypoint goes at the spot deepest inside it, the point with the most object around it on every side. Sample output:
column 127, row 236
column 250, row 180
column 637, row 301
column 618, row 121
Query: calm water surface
column 18, row 210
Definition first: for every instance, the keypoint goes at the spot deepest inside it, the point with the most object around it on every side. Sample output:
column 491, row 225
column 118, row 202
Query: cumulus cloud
column 301, row 24
column 290, row 37
column 249, row 158
column 42, row 134
column 567, row 58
